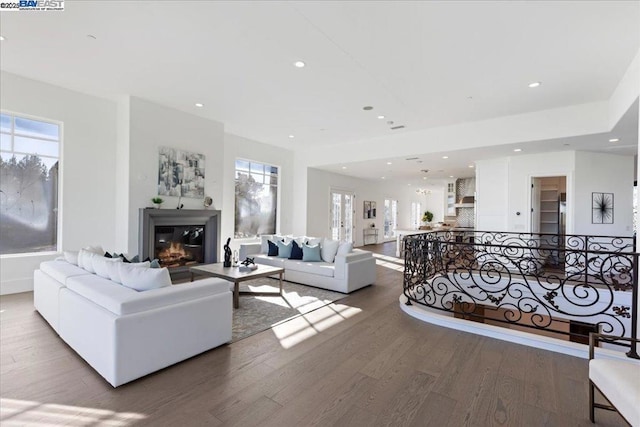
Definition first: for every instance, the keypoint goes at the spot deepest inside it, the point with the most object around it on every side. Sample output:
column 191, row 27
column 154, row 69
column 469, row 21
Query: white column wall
column 153, row 126
column 492, row 187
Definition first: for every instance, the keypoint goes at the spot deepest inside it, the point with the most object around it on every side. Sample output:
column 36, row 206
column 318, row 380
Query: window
column 256, row 199
column 416, row 214
column 29, row 154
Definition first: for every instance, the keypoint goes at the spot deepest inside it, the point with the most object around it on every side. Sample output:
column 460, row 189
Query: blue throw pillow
column 311, row 253
column 296, row 251
column 284, row 249
column 273, row 249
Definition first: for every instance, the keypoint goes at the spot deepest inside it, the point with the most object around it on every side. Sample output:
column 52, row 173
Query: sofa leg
column 592, row 407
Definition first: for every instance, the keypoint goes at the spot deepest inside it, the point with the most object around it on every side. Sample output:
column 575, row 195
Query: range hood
column 465, row 202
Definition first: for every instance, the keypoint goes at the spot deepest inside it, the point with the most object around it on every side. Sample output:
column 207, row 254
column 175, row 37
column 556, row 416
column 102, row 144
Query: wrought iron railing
column 565, row 285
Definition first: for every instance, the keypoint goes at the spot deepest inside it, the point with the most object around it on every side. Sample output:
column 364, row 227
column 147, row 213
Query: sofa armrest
column 247, row 249
column 356, row 255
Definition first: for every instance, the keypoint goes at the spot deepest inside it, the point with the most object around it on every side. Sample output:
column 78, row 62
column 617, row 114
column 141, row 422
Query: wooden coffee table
column 233, row 274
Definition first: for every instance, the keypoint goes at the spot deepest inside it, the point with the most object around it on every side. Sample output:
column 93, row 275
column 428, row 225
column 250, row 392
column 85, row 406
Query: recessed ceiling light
column 517, row 150
column 382, row 177
column 299, row 64
column 409, row 185
column 381, row 117
column 389, row 163
column 614, row 140
column 367, row 108
column 199, row 104
column 292, row 136
column 344, row 167
column 424, row 177
column 471, row 166
column 534, row 84
column 450, row 176
column 445, row 157
column 2, row 38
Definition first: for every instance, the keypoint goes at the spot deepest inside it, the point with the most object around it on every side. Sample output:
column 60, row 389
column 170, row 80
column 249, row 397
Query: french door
column 341, row 214
column 390, row 217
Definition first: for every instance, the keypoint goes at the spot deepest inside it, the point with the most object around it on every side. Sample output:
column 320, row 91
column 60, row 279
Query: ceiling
column 420, row 64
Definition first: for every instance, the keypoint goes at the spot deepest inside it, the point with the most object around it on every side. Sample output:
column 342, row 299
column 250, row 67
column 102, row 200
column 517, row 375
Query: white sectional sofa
column 125, row 334
column 347, row 273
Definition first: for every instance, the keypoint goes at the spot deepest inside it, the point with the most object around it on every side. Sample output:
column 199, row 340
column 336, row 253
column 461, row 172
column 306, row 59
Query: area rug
column 259, row 313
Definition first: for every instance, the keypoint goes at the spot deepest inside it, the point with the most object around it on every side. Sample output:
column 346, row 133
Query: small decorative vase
column 157, row 205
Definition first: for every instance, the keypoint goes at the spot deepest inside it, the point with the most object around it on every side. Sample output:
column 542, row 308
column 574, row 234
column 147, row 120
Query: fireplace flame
column 173, row 254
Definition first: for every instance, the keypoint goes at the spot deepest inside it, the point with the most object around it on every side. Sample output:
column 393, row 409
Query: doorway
column 548, row 216
column 341, row 214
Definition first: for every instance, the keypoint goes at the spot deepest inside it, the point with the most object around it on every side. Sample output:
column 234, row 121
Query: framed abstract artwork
column 180, row 173
column 602, row 208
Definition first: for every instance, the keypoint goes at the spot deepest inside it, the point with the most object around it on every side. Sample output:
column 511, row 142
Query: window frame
column 60, row 141
column 278, row 193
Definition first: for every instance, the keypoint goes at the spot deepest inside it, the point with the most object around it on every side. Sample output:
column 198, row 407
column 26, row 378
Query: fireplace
column 179, row 245
column 179, row 238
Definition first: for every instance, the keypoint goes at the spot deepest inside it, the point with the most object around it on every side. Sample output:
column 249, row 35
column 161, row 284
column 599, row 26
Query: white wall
column 604, row 173
column 492, row 187
column 521, row 170
column 152, row 126
column 88, row 159
column 320, row 183
column 504, row 189
column 239, row 147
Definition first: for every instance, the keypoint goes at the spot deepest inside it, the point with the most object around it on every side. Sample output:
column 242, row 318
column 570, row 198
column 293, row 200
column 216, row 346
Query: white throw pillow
column 85, row 260
column 101, row 267
column 329, row 248
column 114, row 271
column 143, row 279
column 71, row 257
column 345, row 248
column 95, row 249
column 314, row 241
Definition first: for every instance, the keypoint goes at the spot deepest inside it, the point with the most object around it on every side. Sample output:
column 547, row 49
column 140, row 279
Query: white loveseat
column 347, row 273
column 125, row 334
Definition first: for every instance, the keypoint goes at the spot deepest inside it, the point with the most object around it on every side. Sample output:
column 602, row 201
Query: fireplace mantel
column 149, row 218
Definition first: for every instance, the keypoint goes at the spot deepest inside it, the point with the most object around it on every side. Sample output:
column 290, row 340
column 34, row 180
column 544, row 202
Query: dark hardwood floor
column 358, row 362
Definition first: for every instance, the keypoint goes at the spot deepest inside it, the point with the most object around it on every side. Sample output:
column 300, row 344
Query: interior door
column 390, row 217
column 535, row 205
column 342, row 215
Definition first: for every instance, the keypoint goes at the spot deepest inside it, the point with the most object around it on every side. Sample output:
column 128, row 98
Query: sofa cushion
column 319, row 268
column 114, row 271
column 264, row 243
column 121, row 300
column 328, row 249
column 62, row 270
column 101, row 291
column 311, row 253
column 284, row 249
column 100, row 265
column 143, row 279
column 267, row 260
column 345, row 248
column 296, row 250
column 71, row 257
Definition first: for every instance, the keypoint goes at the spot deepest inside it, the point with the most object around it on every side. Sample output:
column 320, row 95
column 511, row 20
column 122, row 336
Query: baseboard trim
column 510, row 335
column 16, row 286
